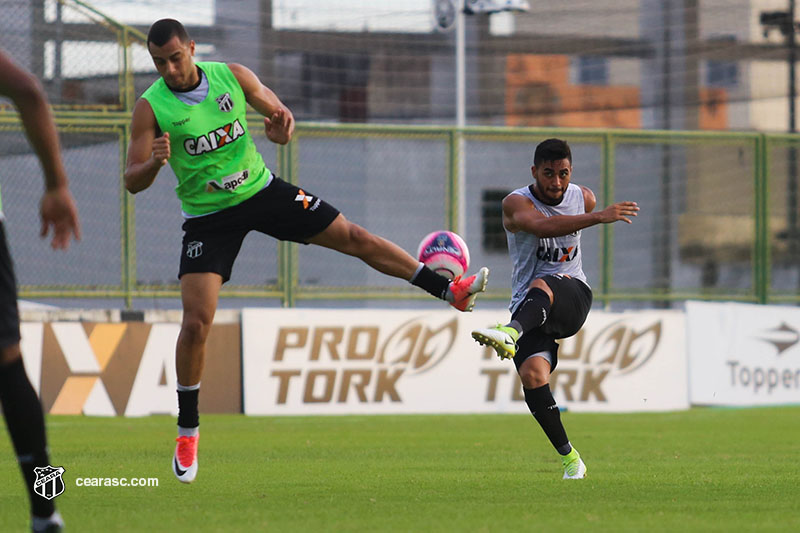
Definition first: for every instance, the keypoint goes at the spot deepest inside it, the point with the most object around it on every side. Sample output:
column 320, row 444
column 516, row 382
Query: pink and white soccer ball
column 444, row 252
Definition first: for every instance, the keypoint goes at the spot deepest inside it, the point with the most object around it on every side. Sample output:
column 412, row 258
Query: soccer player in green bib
column 193, row 118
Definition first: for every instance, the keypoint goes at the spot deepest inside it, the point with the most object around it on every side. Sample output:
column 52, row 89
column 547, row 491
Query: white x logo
column 302, row 197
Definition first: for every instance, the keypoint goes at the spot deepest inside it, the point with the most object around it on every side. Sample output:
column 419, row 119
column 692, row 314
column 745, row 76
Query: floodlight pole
column 461, row 69
column 791, row 33
column 461, row 120
column 791, row 195
column 486, row 7
column 785, row 22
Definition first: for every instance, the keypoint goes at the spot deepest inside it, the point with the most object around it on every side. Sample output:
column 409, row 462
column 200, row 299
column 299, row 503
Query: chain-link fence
column 715, row 220
column 719, row 215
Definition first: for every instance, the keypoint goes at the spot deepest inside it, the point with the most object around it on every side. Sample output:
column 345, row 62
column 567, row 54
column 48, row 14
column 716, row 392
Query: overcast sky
column 348, row 15
column 343, row 15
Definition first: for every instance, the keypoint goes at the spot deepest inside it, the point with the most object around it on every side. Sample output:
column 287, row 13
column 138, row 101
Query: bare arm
column 519, row 214
column 146, row 152
column 57, row 207
column 278, row 120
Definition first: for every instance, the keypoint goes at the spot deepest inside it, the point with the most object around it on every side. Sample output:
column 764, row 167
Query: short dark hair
column 165, row 29
column 552, row 150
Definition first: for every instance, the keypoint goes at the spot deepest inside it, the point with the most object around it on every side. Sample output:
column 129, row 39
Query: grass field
column 701, row 470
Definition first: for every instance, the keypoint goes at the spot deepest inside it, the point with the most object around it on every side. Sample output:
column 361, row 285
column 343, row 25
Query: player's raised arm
column 146, row 152
column 519, row 214
column 278, row 119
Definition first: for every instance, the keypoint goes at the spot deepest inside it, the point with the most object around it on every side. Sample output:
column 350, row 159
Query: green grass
column 701, row 470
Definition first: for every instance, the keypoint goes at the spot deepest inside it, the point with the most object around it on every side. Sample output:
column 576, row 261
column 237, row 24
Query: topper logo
column 782, row 337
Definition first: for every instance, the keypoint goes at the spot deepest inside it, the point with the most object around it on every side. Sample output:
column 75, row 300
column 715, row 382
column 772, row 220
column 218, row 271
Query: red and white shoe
column 184, row 462
column 463, row 292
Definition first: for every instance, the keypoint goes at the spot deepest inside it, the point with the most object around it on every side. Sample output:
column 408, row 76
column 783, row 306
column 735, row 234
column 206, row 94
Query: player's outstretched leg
column 388, row 258
column 502, row 338
column 462, row 292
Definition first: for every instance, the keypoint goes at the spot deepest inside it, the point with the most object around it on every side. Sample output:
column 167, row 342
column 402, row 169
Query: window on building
column 592, row 70
column 723, row 74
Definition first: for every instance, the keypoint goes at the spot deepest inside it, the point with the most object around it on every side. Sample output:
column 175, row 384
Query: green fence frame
column 288, row 291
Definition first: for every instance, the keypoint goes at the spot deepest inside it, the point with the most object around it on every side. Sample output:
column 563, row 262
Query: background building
column 671, row 64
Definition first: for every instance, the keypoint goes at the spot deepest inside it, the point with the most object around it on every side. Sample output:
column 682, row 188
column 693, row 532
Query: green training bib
column 212, row 153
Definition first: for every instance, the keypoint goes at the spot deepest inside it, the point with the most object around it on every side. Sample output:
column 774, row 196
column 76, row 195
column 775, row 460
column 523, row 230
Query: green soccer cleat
column 573, row 465
column 502, row 338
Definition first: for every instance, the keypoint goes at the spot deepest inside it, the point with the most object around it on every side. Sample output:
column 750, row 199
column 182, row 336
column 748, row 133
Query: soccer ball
column 445, row 253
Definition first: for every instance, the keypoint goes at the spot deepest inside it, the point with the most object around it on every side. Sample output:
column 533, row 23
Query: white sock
column 416, row 272
column 448, row 295
column 188, row 432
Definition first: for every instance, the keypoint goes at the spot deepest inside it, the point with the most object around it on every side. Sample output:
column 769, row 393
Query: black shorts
column 572, row 300
column 9, row 312
column 281, row 210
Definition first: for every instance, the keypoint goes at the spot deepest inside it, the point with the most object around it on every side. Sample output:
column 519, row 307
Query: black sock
column 532, row 312
column 544, row 409
column 188, row 415
column 25, row 422
column 428, row 280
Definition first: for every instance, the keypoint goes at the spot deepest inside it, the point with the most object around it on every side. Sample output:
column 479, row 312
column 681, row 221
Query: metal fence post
column 761, row 252
column 287, row 251
column 607, row 261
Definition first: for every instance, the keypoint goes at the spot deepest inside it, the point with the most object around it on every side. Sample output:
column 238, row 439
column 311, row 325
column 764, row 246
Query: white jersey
column 534, row 257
